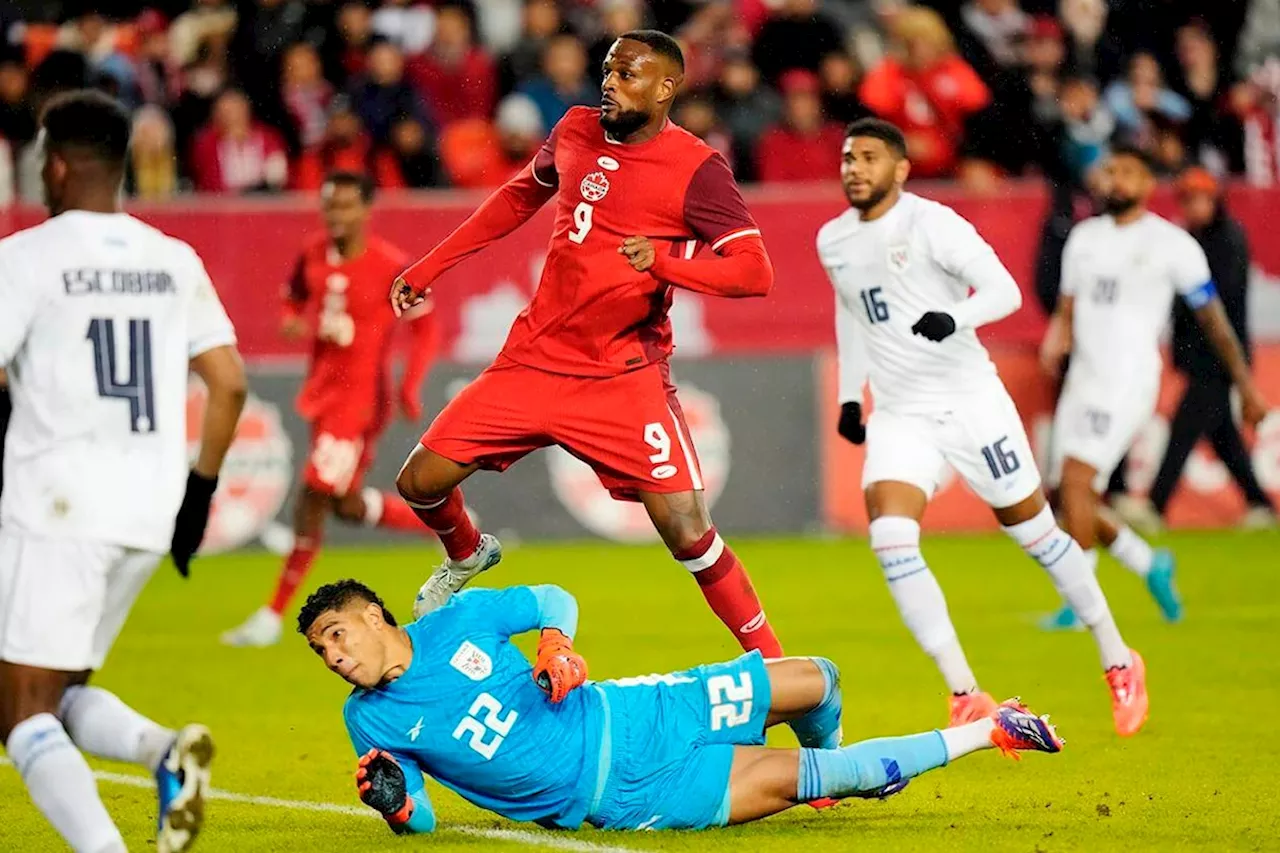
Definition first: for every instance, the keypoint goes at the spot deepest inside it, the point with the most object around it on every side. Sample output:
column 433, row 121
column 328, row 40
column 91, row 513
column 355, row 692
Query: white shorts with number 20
column 1097, row 425
column 980, row 436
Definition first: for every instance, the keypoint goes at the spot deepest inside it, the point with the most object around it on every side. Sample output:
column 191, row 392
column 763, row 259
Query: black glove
column 193, row 518
column 381, row 784
column 850, row 426
column 935, row 325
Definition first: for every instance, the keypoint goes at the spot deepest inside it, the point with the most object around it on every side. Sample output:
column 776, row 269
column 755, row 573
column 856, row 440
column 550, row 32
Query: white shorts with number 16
column 980, row 436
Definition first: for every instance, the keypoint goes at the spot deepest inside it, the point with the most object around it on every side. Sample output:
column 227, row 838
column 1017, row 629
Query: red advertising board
column 1206, row 496
column 250, row 245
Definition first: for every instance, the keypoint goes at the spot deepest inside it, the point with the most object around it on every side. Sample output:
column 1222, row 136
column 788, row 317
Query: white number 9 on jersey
column 581, row 222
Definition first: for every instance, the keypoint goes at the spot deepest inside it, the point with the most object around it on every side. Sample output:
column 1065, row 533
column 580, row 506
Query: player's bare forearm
column 223, row 374
column 743, row 270
column 1057, row 340
column 1217, row 328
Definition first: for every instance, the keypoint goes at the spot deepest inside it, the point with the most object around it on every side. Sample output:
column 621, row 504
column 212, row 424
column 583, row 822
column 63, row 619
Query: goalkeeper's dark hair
column 877, row 128
column 660, row 43
column 87, row 124
column 336, row 596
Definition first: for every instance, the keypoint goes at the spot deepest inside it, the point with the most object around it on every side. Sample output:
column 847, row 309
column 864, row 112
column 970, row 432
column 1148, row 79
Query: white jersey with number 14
column 101, row 315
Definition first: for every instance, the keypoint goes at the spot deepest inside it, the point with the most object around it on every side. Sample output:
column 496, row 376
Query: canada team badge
column 594, row 186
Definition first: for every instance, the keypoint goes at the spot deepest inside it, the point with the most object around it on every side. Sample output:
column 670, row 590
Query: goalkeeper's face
column 355, row 642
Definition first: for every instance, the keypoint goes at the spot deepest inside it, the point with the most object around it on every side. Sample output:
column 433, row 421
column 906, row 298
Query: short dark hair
column 877, row 128
column 1124, row 148
column 88, row 123
column 348, row 178
column 335, row 596
column 660, row 43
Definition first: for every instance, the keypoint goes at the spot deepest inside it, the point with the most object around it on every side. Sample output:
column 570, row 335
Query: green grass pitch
column 1199, row 777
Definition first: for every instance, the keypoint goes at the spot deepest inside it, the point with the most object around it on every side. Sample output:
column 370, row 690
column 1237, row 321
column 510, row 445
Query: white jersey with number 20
column 101, row 315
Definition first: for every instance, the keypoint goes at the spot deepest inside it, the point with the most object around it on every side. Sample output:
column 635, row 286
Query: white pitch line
column 515, row 836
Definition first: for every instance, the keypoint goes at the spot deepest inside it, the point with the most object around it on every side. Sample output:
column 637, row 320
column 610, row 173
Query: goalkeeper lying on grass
column 451, row 697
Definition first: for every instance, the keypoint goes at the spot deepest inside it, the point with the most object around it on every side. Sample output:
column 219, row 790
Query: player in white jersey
column 1120, row 274
column 902, row 268
column 101, row 316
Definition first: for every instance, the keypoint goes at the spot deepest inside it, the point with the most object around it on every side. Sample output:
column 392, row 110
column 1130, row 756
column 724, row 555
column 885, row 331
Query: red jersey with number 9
column 353, row 326
column 593, row 314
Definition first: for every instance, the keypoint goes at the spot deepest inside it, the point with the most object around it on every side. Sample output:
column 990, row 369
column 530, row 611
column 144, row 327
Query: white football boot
column 453, row 575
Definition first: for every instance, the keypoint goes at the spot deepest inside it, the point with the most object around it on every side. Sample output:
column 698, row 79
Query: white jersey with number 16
column 101, row 315
column 920, row 256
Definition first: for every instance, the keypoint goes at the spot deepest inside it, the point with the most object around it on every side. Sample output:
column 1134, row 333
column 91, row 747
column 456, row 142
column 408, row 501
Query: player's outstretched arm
column 501, row 213
column 1212, row 317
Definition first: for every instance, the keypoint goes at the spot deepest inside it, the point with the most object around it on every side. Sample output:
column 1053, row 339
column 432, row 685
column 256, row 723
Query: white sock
column 968, row 738
column 1132, row 551
column 61, row 785
column 1069, row 566
column 896, row 542
column 102, row 725
column 372, row 506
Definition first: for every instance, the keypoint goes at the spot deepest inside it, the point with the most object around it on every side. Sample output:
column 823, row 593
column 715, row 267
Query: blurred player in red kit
column 337, row 297
column 585, row 366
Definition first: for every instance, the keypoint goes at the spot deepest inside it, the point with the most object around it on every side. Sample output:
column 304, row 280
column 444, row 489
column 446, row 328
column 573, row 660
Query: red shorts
column 629, row 428
column 341, row 453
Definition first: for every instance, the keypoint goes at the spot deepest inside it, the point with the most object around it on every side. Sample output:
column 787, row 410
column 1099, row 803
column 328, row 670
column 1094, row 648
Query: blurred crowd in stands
column 267, row 95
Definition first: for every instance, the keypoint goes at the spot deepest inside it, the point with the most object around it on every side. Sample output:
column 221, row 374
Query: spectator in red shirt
column 804, row 147
column 344, row 146
column 233, row 153
column 306, row 94
column 457, row 78
column 345, row 56
column 926, row 89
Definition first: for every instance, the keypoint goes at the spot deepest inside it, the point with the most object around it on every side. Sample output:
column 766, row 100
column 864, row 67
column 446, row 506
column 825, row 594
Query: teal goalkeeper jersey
column 468, row 713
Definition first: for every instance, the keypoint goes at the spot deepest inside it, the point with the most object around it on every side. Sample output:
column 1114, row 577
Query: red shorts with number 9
column 629, row 428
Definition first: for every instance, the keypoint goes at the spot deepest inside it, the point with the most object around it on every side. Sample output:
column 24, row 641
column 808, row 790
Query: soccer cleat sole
column 191, row 756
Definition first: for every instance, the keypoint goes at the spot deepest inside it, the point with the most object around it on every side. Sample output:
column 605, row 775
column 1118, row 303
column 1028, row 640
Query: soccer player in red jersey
column 586, row 363
column 337, row 297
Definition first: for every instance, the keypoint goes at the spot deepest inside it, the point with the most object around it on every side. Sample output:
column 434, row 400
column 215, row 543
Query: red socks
column 296, row 566
column 448, row 517
column 728, row 590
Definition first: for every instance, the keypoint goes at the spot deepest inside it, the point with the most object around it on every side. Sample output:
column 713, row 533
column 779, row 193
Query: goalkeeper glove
column 380, row 782
column 559, row 668
column 193, row 518
column 935, row 325
column 850, row 426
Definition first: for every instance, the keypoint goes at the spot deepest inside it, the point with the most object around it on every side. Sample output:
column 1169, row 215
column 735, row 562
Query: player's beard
column 877, row 195
column 1118, row 205
column 625, row 123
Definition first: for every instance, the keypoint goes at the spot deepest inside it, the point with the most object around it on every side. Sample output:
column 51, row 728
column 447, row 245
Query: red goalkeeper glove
column 381, row 784
column 559, row 668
